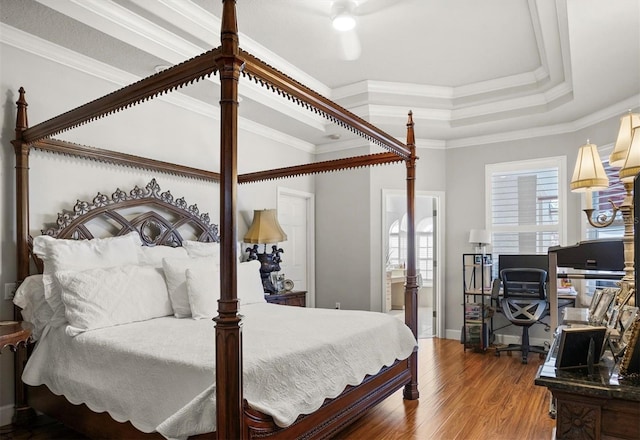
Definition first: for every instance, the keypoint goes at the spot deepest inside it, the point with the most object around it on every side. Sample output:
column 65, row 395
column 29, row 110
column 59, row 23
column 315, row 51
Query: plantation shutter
column 525, row 206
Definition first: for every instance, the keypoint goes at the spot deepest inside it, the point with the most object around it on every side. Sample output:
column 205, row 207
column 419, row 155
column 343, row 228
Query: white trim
column 311, row 244
column 6, row 413
column 439, row 253
column 47, row 50
column 532, row 164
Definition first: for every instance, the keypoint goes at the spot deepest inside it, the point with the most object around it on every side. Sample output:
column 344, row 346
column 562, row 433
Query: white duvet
column 160, row 374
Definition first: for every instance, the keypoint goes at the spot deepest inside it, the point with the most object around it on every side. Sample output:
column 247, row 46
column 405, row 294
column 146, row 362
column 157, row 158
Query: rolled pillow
column 35, row 308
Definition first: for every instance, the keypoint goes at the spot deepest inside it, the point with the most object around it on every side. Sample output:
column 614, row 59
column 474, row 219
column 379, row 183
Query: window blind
column 524, row 208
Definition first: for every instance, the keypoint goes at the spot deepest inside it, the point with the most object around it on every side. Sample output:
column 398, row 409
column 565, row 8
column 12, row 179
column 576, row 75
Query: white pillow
column 60, row 254
column 175, row 275
column 250, row 288
column 200, row 249
column 203, row 289
column 153, row 255
column 197, row 249
column 35, row 308
column 104, row 297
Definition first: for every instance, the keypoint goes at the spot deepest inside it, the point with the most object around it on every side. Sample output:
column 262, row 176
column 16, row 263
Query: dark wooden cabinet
column 595, row 406
column 294, row 298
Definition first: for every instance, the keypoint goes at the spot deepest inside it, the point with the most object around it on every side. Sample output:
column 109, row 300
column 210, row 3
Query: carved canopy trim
column 128, row 160
column 154, row 228
column 147, row 88
column 282, row 84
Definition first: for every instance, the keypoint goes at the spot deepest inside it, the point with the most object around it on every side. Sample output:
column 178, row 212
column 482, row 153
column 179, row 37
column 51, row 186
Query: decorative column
column 229, row 414
column 411, row 288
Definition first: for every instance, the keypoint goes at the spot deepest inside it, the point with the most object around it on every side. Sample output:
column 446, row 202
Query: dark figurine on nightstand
column 268, row 263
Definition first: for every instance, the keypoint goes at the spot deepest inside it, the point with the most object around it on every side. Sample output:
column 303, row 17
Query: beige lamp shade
column 265, row 228
column 589, row 172
column 631, row 165
column 623, row 141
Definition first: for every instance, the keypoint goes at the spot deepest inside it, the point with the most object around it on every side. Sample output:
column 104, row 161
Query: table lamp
column 265, row 229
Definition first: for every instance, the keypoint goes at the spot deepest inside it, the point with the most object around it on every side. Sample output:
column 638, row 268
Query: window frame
column 559, row 162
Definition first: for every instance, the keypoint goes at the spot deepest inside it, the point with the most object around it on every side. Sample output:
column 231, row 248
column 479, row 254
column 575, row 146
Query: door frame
column 310, row 262
column 438, row 257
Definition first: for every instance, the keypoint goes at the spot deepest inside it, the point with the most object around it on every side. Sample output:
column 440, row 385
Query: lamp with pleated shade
column 265, row 229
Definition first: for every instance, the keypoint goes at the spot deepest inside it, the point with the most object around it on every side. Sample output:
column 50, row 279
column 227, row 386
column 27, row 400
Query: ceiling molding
column 73, row 60
column 615, row 110
column 122, row 24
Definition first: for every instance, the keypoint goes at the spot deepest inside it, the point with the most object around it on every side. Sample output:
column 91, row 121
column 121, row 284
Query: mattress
column 160, row 374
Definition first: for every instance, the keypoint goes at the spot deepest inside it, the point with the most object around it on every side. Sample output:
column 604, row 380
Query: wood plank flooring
column 463, row 396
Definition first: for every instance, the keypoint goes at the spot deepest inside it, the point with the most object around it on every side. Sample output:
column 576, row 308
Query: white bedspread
column 159, row 374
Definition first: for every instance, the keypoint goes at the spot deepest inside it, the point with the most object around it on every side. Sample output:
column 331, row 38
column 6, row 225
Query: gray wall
column 348, row 204
column 465, row 184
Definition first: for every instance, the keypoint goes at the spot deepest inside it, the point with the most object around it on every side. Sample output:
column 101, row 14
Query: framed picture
column 606, row 299
column 631, row 359
column 594, row 301
column 580, row 347
column 477, row 259
column 627, row 316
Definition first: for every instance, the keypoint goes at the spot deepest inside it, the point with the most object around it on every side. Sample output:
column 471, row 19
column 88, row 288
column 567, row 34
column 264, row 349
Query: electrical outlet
column 9, row 290
column 337, row 305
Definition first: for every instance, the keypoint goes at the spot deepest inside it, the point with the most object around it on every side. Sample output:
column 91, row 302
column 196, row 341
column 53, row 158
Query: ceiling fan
column 344, row 16
column 343, row 20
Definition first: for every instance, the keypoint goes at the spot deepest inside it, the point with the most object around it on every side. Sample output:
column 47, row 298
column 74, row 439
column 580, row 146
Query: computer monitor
column 535, row 261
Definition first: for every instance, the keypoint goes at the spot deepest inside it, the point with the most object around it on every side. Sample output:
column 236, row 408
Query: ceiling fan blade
column 350, row 48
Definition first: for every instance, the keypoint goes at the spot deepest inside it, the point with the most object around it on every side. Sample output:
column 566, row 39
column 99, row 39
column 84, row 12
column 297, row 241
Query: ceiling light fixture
column 343, row 19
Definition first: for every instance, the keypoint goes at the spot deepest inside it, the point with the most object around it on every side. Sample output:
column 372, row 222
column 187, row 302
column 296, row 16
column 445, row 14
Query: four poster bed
column 236, row 414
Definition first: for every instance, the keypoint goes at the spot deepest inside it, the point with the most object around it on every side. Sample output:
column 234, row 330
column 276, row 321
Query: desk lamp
column 481, row 238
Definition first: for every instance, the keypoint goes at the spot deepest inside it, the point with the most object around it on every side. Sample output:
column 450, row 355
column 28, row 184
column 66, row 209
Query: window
column 424, row 245
column 526, row 205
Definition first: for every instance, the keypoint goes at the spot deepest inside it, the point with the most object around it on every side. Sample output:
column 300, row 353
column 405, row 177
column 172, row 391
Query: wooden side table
column 14, row 333
column 293, row 298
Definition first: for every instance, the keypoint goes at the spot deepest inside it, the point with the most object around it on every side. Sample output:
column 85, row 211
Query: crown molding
column 615, row 110
column 45, row 49
column 122, row 24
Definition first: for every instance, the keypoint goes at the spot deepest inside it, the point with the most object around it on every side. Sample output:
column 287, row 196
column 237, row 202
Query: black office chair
column 524, row 302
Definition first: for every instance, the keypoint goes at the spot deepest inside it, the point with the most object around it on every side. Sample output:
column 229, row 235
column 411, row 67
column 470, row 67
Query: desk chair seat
column 524, row 303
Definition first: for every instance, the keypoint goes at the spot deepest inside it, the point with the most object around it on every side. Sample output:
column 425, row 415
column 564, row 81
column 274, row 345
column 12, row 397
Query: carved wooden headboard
column 160, row 219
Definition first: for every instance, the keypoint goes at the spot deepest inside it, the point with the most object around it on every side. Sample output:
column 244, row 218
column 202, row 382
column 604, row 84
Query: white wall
column 157, row 129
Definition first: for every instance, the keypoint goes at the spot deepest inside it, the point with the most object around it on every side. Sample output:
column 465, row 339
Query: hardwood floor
column 463, row 395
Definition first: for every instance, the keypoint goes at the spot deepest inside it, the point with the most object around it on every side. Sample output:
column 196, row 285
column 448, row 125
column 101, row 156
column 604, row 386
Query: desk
column 592, row 406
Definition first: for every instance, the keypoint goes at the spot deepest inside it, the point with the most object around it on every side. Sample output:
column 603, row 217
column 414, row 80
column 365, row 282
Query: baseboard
column 499, row 338
column 515, row 339
column 452, row 334
column 6, row 414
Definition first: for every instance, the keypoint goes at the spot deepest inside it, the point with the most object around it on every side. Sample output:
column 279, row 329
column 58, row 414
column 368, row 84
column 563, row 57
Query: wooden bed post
column 229, row 413
column 23, row 413
column 411, row 289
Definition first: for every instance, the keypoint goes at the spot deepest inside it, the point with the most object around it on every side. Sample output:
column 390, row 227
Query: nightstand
column 293, row 298
column 14, row 333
